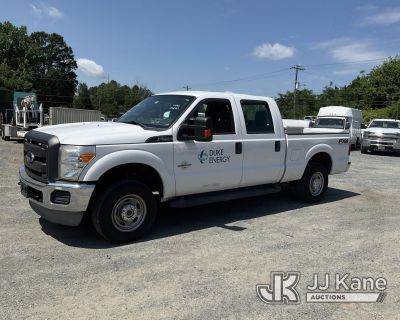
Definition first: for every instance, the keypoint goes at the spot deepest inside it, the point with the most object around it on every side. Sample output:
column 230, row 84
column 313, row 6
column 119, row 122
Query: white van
column 339, row 117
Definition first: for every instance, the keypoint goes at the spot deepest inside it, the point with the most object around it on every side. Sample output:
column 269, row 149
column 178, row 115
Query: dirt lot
column 205, row 262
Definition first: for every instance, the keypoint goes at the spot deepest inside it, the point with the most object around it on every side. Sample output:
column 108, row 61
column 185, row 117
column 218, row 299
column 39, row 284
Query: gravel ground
column 204, row 262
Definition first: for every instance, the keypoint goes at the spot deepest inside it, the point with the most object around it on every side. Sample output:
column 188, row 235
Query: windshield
column 385, row 124
column 157, row 111
column 332, row 123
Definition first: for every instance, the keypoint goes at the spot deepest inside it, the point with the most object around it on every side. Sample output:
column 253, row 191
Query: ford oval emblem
column 30, row 157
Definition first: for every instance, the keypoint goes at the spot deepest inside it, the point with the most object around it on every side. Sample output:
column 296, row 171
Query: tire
column 124, row 211
column 358, row 144
column 364, row 150
column 312, row 186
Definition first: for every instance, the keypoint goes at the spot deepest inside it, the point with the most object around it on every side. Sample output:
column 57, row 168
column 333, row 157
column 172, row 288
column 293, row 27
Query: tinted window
column 331, row 123
column 385, row 124
column 257, row 117
column 220, row 110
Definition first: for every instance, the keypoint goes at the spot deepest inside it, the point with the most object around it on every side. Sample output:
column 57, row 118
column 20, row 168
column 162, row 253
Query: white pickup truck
column 381, row 135
column 180, row 148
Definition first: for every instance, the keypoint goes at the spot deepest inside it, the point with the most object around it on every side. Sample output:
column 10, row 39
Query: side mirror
column 198, row 129
column 347, row 126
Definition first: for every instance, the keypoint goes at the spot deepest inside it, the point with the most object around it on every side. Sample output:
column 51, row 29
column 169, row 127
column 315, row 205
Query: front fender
column 114, row 159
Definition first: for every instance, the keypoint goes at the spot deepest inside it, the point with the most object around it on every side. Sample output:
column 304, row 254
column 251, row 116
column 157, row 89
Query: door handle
column 238, row 148
column 277, row 146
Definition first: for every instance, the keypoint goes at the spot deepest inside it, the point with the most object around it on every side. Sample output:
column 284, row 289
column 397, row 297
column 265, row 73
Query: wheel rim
column 128, row 213
column 317, row 183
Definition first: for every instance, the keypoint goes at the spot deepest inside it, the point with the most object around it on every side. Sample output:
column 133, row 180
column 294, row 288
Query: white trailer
column 340, row 117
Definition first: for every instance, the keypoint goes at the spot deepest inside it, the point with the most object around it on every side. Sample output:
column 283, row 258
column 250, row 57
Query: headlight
column 365, row 134
column 73, row 159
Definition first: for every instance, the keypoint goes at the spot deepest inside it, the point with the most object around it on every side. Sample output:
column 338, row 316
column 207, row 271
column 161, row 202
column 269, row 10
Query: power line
column 246, row 78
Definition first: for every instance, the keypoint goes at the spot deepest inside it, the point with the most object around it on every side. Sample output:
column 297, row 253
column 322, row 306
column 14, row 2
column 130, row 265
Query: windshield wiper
column 136, row 123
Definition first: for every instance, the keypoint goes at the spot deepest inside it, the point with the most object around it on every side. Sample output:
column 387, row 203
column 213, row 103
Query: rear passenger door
column 263, row 143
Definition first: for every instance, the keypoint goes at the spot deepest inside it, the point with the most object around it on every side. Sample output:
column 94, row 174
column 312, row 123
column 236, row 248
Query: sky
column 218, row 45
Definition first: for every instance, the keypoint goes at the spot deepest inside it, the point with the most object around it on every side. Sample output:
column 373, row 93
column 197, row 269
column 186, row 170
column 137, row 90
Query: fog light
column 60, row 197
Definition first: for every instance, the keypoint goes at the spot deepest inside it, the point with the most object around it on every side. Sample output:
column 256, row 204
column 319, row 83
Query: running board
column 225, row 195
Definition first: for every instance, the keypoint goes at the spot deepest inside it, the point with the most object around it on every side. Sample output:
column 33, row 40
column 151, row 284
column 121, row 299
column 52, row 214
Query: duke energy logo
column 203, row 156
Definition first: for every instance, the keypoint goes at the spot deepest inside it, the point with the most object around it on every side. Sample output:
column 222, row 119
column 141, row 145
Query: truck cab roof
column 205, row 94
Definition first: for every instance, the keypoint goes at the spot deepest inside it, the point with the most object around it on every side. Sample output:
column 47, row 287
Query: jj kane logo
column 339, row 288
column 282, row 288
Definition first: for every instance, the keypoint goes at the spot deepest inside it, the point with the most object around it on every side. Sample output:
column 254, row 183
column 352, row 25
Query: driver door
column 210, row 166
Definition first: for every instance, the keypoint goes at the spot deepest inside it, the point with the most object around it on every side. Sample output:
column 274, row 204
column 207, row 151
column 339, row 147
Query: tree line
column 43, row 63
column 112, row 98
column 376, row 93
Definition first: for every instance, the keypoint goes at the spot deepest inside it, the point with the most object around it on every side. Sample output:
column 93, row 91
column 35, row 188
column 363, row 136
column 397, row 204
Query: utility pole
column 187, row 87
column 296, row 67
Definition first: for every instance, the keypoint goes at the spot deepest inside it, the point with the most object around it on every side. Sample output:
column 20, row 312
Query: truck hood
column 97, row 133
column 383, row 130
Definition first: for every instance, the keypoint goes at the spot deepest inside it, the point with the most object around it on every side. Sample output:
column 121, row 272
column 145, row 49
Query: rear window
column 257, row 117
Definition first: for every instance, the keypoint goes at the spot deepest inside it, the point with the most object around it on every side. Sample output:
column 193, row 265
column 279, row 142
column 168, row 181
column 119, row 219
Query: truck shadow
column 172, row 222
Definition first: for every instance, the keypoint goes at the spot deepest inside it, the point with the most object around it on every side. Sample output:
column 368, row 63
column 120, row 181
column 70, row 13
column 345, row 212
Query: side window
column 257, row 117
column 220, row 110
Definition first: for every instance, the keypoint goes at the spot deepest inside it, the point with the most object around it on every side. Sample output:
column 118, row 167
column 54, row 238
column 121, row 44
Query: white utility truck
column 181, row 148
column 381, row 135
column 339, row 117
column 26, row 115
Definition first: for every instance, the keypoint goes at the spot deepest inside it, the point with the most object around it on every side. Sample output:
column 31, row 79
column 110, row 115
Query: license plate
column 381, row 148
column 24, row 190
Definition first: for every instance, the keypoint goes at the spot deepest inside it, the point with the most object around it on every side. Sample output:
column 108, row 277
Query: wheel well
column 135, row 171
column 324, row 159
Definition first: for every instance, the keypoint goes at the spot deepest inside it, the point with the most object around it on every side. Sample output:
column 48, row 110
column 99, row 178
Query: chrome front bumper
column 40, row 199
column 381, row 144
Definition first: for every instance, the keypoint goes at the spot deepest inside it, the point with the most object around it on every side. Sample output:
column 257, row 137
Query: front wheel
column 364, row 150
column 124, row 211
column 314, row 183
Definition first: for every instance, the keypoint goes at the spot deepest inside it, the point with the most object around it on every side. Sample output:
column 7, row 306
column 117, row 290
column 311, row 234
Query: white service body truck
column 339, row 117
column 181, row 148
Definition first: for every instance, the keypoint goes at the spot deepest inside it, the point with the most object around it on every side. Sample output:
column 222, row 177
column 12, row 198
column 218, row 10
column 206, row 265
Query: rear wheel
column 314, row 183
column 124, row 211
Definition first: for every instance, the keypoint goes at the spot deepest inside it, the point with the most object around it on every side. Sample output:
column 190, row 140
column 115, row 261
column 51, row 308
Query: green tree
column 112, row 99
column 82, row 98
column 15, row 71
column 53, row 65
column 306, row 104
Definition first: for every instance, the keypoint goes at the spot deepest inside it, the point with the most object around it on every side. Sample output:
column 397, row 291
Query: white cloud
column 355, row 51
column 386, row 17
column 274, row 51
column 45, row 10
column 345, row 72
column 90, row 68
column 343, row 50
column 330, row 43
column 346, row 49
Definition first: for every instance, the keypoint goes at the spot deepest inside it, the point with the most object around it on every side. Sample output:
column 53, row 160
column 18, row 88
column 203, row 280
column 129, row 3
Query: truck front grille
column 41, row 156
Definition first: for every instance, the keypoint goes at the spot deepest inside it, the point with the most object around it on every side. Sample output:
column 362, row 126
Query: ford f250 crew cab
column 381, row 135
column 181, row 148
